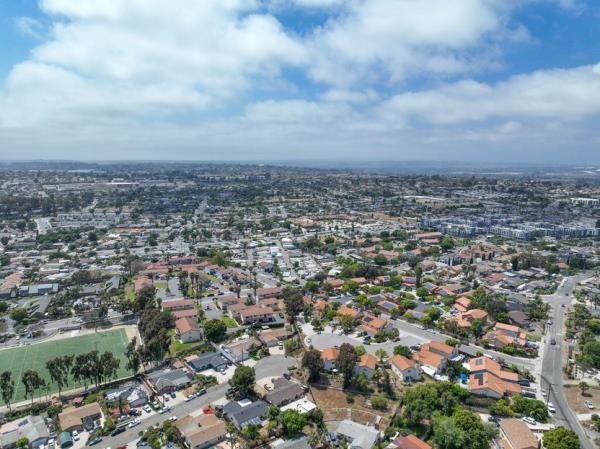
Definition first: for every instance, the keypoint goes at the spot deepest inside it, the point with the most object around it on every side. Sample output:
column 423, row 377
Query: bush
column 349, row 398
column 379, row 403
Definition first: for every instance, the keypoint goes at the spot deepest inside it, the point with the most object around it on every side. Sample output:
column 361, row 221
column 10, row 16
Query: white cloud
column 567, row 94
column 393, row 39
column 30, row 27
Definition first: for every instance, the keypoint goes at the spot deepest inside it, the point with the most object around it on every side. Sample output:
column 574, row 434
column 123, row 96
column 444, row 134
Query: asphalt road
column 274, row 365
column 411, row 335
column 553, row 355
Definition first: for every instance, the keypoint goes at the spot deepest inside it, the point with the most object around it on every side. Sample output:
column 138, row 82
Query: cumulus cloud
column 226, row 79
column 566, row 94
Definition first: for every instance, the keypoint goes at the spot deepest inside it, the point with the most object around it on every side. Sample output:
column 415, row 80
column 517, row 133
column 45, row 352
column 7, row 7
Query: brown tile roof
column 518, row 434
column 402, row 362
column 329, row 353
column 411, row 442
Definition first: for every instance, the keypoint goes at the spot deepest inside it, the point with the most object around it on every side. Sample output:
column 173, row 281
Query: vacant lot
column 576, row 400
column 336, row 408
column 34, row 357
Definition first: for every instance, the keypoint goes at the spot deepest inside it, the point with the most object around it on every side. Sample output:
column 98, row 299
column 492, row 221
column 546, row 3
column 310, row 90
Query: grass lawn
column 34, row 357
column 129, row 293
column 230, row 322
column 160, row 284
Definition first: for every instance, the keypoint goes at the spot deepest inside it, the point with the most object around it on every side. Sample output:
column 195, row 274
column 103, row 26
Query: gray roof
column 283, row 391
column 299, row 443
column 32, row 427
column 208, row 359
column 169, row 378
column 245, row 412
column 363, row 437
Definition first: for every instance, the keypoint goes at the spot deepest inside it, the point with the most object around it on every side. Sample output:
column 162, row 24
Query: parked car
column 172, row 418
column 589, row 405
column 173, row 394
column 147, row 409
column 94, row 441
column 529, row 420
column 75, row 435
column 189, row 398
column 135, row 422
column 117, row 431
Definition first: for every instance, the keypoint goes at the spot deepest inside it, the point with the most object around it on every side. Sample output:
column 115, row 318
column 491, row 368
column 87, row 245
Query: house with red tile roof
column 187, row 330
column 409, row 442
column 462, row 304
column 406, row 369
column 465, row 319
column 142, row 282
column 489, row 385
column 345, row 310
column 367, row 364
column 506, row 334
column 329, row 355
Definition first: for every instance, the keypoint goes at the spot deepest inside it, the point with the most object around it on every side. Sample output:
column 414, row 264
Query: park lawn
column 160, row 284
column 34, row 357
column 230, row 322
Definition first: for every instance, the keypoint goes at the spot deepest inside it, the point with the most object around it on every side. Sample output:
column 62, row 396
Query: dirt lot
column 576, row 400
column 336, row 408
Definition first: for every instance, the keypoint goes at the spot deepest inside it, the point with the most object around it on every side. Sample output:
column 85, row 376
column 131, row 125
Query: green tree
column 311, row 360
column 242, row 380
column 346, row 361
column 215, row 330
column 18, row 314
column 561, row 438
column 293, row 299
column 583, row 387
column 402, row 350
column 32, row 382
column 22, row 443
column 133, row 356
column 293, row 422
column 7, row 387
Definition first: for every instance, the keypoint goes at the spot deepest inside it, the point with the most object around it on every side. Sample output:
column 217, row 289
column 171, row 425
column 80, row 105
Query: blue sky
column 489, row 80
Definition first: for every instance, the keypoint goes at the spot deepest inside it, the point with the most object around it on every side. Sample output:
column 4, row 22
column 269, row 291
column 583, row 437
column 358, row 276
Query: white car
column 147, row 409
column 589, row 405
column 134, row 423
column 529, row 420
column 189, row 398
column 75, row 435
column 173, row 418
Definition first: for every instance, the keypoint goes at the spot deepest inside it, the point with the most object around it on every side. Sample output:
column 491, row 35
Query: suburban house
column 31, row 427
column 208, row 360
column 256, row 314
column 187, row 330
column 462, row 304
column 518, row 318
column 279, row 390
column 268, row 292
column 359, row 435
column 408, row 442
column 328, row 355
column 228, row 300
column 488, row 379
column 240, row 350
column 489, row 385
column 465, row 319
column 345, row 310
column 167, row 380
column 78, row 418
column 506, row 334
column 273, row 337
column 515, row 434
column 178, row 304
column 406, row 369
column 244, row 412
column 373, row 325
column 200, row 432
column 433, row 357
column 367, row 364
column 132, row 392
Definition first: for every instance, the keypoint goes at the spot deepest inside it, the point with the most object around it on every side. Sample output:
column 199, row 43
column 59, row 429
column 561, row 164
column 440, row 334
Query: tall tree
column 133, row 356
column 243, row 378
column 57, row 372
column 346, row 361
column 293, row 300
column 7, row 387
column 311, row 360
column 32, row 381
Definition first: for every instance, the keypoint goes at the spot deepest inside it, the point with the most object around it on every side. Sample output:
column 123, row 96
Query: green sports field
column 18, row 360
